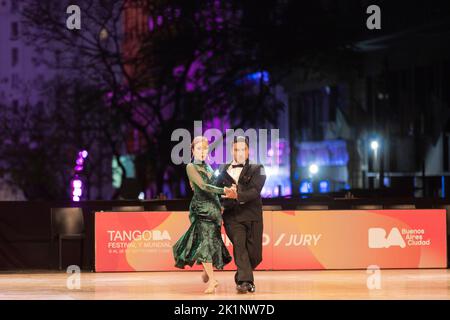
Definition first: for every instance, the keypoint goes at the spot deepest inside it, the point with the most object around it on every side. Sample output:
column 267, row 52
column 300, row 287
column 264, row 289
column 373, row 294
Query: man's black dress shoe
column 245, row 287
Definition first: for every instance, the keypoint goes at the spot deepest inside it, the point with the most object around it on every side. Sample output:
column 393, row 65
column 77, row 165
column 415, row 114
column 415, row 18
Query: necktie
column 237, row 165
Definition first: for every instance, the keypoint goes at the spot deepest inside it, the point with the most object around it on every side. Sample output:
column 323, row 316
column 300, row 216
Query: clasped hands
column 230, row 192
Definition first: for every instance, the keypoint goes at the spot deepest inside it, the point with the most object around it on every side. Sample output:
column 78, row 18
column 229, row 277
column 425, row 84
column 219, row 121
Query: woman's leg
column 205, row 276
column 212, row 283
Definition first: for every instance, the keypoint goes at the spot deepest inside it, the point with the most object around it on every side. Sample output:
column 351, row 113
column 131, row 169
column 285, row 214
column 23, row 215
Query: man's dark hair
column 241, row 139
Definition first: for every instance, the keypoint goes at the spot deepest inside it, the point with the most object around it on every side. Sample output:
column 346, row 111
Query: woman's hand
column 230, row 193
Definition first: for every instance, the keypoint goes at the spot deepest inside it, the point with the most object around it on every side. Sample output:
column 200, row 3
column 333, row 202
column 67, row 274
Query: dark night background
column 95, row 108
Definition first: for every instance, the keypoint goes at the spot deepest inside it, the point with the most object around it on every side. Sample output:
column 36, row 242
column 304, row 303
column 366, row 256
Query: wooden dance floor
column 343, row 284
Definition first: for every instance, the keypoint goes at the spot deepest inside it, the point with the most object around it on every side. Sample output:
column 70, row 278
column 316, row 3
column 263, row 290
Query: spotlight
column 313, row 168
column 374, row 145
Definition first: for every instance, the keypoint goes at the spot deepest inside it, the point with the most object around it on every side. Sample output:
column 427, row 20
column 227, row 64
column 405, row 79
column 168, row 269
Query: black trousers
column 247, row 247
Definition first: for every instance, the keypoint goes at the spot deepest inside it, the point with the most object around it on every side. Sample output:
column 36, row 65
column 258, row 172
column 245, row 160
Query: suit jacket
column 248, row 205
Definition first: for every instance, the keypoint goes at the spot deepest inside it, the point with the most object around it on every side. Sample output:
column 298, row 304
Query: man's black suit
column 243, row 219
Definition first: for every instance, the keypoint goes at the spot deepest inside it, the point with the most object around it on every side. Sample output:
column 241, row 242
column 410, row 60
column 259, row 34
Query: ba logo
column 378, row 239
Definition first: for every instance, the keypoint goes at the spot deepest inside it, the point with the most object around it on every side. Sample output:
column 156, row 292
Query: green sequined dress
column 202, row 242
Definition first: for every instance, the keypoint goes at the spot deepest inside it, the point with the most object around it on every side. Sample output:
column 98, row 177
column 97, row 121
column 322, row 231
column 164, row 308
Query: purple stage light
column 151, row 24
column 77, row 184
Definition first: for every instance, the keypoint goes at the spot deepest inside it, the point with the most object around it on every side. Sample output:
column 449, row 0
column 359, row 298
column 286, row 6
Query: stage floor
column 272, row 285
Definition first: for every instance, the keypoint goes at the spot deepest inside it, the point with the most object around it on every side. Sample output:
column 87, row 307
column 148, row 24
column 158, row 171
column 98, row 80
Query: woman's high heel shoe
column 212, row 286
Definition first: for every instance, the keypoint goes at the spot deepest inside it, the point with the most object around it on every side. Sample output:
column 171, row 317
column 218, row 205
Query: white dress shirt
column 234, row 172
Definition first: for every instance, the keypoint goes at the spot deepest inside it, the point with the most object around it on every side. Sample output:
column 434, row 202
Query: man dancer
column 242, row 216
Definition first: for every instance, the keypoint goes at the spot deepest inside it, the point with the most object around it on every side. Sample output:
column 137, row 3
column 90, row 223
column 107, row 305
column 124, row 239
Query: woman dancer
column 202, row 243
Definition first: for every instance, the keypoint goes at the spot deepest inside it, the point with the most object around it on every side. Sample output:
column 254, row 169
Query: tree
column 42, row 141
column 167, row 63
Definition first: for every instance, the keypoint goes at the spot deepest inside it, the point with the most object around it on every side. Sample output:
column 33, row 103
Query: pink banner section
column 293, row 240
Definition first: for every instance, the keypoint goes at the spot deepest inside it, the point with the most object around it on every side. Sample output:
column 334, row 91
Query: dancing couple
column 239, row 184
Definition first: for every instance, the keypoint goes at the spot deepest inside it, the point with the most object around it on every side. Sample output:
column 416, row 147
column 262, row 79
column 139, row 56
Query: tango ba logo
column 135, row 239
column 378, row 238
column 138, row 235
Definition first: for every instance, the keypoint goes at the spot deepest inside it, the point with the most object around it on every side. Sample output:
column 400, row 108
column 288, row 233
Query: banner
column 293, row 240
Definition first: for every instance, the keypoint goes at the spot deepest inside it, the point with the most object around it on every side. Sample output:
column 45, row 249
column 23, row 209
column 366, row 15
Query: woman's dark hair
column 241, row 139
